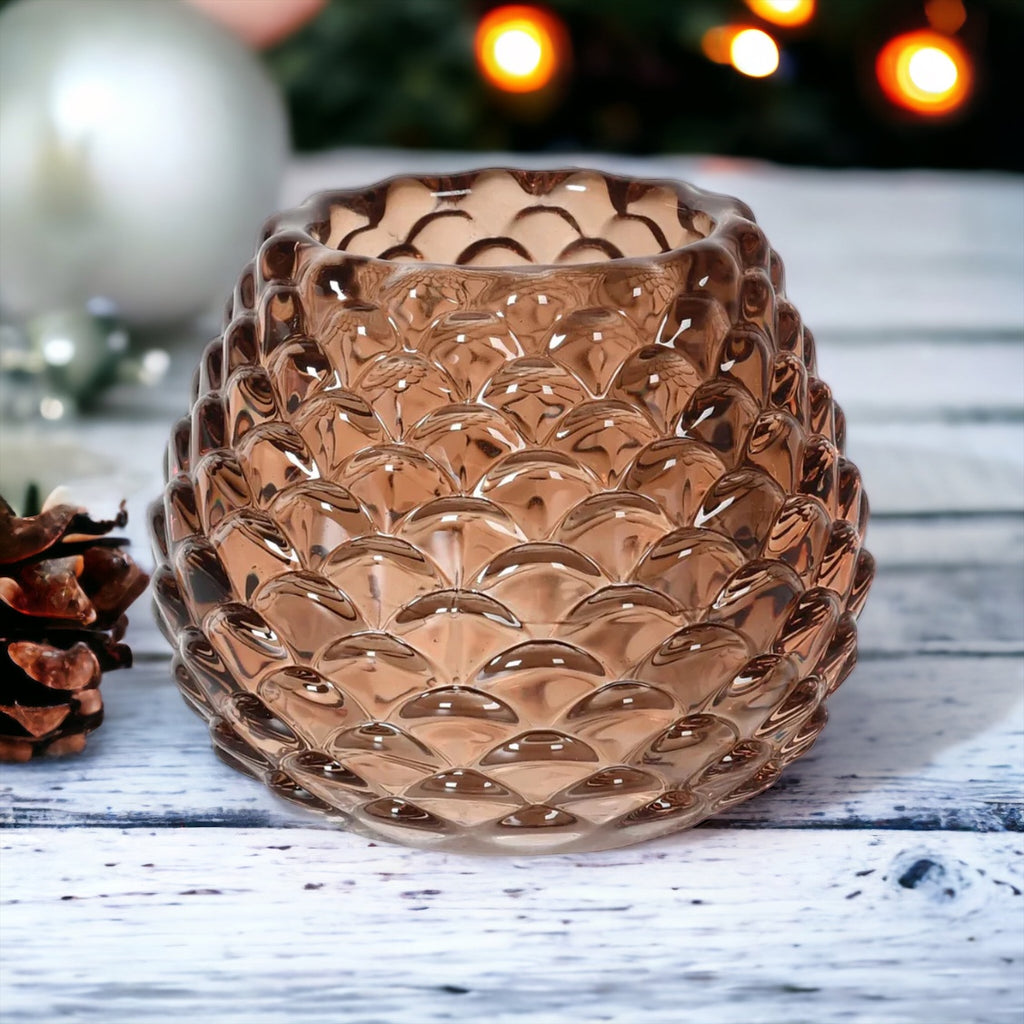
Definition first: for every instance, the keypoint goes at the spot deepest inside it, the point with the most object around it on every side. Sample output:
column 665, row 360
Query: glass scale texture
column 510, row 515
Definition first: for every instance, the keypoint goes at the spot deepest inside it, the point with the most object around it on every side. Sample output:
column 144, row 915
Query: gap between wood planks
column 1001, row 817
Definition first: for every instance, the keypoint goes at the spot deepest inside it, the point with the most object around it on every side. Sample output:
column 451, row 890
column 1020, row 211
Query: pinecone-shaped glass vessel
column 510, row 514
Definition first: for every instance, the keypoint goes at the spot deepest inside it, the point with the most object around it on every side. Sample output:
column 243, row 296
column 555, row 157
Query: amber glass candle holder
column 510, row 514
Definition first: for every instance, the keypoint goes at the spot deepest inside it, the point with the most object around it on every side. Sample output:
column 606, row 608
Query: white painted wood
column 936, row 454
column 940, row 467
column 790, row 909
column 962, row 610
column 914, row 741
column 716, row 926
column 893, row 381
column 973, row 540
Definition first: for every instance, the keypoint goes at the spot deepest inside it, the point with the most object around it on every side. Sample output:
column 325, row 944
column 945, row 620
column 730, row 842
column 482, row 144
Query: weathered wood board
column 879, row 883
column 252, row 926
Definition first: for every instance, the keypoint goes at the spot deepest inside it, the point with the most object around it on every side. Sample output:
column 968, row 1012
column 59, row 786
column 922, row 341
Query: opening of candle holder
column 507, row 218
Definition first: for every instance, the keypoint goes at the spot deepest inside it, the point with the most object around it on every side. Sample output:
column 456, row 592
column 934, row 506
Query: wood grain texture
column 878, row 883
column 715, row 926
column 911, row 745
column 932, row 427
column 925, row 733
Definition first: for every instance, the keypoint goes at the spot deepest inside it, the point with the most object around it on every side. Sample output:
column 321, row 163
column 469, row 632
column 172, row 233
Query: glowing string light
column 788, row 13
column 933, row 71
column 925, row 72
column 716, row 42
column 946, row 16
column 754, row 53
column 519, row 48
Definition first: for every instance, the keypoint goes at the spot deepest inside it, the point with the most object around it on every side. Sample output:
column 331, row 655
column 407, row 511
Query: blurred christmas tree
column 640, row 76
column 636, row 78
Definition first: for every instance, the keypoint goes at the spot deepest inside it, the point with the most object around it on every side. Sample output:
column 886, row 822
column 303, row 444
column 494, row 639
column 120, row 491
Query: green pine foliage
column 402, row 73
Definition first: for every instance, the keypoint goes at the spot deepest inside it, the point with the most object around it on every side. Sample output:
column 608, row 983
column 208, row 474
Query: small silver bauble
column 60, row 362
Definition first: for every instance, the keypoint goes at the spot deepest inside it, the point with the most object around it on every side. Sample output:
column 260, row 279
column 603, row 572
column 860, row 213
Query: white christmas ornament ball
column 141, row 146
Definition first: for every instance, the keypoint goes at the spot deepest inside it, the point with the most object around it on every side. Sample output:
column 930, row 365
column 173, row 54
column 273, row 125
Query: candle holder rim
column 722, row 210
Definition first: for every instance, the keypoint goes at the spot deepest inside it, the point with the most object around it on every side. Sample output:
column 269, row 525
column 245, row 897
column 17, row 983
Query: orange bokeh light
column 519, row 48
column 751, row 51
column 925, row 72
column 945, row 15
column 716, row 42
column 788, row 13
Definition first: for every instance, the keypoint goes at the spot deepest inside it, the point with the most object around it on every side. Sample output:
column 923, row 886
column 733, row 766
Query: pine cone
column 503, row 556
column 64, row 588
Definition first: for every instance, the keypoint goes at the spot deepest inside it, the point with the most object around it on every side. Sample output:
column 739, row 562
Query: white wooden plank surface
column 955, row 444
column 929, row 377
column 912, row 717
column 714, row 927
column 879, row 883
column 914, row 742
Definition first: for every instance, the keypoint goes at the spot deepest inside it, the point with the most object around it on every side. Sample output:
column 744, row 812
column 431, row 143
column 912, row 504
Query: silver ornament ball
column 141, row 146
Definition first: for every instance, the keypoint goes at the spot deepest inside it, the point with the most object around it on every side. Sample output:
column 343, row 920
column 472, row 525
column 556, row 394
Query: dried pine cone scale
column 64, row 588
column 510, row 513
